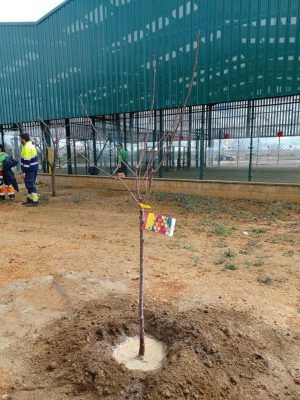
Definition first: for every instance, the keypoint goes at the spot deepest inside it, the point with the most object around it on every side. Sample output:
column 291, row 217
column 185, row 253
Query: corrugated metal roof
column 102, row 50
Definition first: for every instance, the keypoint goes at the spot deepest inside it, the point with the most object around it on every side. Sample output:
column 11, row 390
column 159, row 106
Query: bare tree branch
column 99, row 134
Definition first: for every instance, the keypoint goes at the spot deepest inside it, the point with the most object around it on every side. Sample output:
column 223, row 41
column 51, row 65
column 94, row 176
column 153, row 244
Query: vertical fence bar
column 46, row 143
column 131, row 139
column 44, row 158
column 179, row 147
column 118, row 127
column 68, row 145
column 160, row 142
column 94, row 145
column 125, row 131
column 202, row 155
column 138, row 116
column 154, row 138
column 220, row 141
column 189, row 150
column 110, row 161
column 202, row 143
column 2, row 134
column 74, row 155
column 197, row 136
column 250, row 122
column 209, row 125
column 88, row 157
column 85, row 154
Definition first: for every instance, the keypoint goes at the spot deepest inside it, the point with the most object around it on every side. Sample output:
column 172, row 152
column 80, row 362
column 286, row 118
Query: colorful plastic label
column 158, row 223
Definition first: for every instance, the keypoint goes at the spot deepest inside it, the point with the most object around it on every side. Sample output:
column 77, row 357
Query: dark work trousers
column 30, row 178
column 123, row 169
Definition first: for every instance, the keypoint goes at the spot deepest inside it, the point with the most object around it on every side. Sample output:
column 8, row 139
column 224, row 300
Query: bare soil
column 222, row 294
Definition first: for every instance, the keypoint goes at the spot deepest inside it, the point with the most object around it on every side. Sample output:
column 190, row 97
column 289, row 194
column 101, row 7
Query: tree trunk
column 141, row 296
column 53, row 182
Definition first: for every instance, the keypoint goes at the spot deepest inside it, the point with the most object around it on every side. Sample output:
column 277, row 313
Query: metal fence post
column 110, row 161
column 220, row 141
column 2, row 134
column 125, row 131
column 94, row 145
column 189, row 150
column 131, row 139
column 179, row 148
column 75, row 158
column 68, row 145
column 202, row 143
column 197, row 148
column 201, row 170
column 250, row 121
column 154, row 138
column 137, row 119
column 160, row 142
column 85, row 154
column 46, row 144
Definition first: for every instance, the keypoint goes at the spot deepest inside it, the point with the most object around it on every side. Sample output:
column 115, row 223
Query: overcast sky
column 25, row 10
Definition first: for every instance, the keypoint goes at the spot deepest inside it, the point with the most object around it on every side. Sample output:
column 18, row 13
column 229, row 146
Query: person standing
column 29, row 166
column 8, row 183
column 122, row 160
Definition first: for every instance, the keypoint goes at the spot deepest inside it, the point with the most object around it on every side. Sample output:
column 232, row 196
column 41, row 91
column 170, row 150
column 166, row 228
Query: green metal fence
column 239, row 141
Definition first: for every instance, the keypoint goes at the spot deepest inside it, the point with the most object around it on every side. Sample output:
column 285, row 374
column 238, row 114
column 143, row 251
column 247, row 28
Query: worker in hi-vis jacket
column 8, row 182
column 29, row 166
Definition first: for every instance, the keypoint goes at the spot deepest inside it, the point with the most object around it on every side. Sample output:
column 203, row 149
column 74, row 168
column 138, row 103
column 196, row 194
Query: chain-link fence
column 242, row 141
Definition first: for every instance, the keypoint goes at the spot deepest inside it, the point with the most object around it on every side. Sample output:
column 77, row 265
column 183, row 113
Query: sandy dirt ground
column 222, row 294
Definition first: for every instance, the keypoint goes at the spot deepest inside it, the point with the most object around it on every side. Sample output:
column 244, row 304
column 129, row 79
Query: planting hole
column 127, row 353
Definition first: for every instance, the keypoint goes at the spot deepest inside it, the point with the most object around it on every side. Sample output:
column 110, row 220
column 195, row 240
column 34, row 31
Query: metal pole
column 85, row 154
column 138, row 137
column 173, row 157
column 20, row 128
column 197, row 149
column 250, row 127
column 2, row 134
column 44, row 158
column 160, row 142
column 16, row 145
column 209, row 124
column 201, row 161
column 68, row 144
column 154, row 137
column 220, row 140
column 74, row 153
column 131, row 138
column 47, row 141
column 125, row 130
column 201, row 171
column 103, row 127
column 189, row 150
column 110, row 161
column 94, row 144
column 88, row 154
column 118, row 127
column 179, row 155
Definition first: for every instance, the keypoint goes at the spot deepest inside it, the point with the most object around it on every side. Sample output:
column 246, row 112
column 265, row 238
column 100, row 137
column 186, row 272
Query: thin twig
column 112, row 176
column 171, row 134
column 102, row 137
